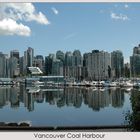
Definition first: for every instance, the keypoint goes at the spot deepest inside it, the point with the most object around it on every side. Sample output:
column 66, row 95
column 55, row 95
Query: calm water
column 64, row 107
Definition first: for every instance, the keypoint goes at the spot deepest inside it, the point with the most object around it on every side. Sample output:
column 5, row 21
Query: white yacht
column 126, row 84
column 38, row 83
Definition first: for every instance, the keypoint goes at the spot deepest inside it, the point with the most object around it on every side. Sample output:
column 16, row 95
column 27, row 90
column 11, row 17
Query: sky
column 48, row 27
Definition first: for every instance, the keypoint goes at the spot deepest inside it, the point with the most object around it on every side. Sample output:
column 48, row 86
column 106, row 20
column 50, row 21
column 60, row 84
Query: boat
column 100, row 84
column 94, row 83
column 126, row 84
column 38, row 83
column 33, row 89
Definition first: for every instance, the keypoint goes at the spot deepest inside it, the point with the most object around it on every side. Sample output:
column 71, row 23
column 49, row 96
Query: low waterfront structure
column 52, row 79
column 35, row 70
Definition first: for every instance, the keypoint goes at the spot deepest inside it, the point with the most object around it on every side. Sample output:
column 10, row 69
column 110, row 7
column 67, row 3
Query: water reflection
column 64, row 107
column 9, row 95
column 96, row 99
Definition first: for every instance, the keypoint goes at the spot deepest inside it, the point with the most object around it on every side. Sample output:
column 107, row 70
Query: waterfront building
column 21, row 65
column 30, row 56
column 68, row 59
column 8, row 66
column 85, row 64
column 15, row 53
column 68, row 65
column 99, row 65
column 77, row 65
column 34, row 70
column 26, row 61
column 117, row 64
column 3, row 62
column 135, row 62
column 60, row 55
column 73, row 65
column 57, row 67
column 127, row 70
column 39, row 62
column 13, row 67
column 48, row 64
column 77, row 58
column 52, row 79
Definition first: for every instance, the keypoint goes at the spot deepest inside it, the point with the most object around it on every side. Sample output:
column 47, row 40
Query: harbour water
column 70, row 106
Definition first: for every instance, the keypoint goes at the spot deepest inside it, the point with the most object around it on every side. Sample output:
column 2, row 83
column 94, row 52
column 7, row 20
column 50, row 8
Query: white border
column 107, row 135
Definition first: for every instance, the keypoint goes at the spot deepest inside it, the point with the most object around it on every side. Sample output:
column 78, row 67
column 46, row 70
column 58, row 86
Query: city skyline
column 49, row 27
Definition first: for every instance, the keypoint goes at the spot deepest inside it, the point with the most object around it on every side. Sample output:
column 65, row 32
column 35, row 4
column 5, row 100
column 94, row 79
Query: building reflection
column 95, row 99
column 9, row 96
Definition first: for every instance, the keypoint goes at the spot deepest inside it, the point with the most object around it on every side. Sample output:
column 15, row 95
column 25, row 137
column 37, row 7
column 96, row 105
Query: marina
column 59, row 81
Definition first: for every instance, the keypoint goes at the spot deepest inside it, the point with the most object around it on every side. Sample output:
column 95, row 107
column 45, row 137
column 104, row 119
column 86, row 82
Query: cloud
column 118, row 16
column 11, row 27
column 14, row 14
column 22, row 11
column 55, row 11
column 126, row 6
column 70, row 36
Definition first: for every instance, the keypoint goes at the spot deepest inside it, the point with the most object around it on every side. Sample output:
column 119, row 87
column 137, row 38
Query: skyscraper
column 77, row 64
column 8, row 66
column 39, row 62
column 3, row 62
column 117, row 64
column 68, row 58
column 30, row 57
column 135, row 62
column 48, row 64
column 73, row 65
column 99, row 65
column 15, row 53
column 13, row 63
column 77, row 58
column 57, row 67
column 60, row 55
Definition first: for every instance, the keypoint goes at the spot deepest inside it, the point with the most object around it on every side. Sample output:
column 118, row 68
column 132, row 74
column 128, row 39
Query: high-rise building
column 39, row 62
column 117, row 64
column 57, row 67
column 85, row 64
column 68, row 58
column 48, row 64
column 8, row 66
column 68, row 64
column 3, row 65
column 14, row 71
column 77, row 65
column 73, row 65
column 135, row 62
column 136, row 49
column 99, row 65
column 15, row 53
column 60, row 55
column 23, row 64
column 30, row 57
column 77, row 58
column 127, row 70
